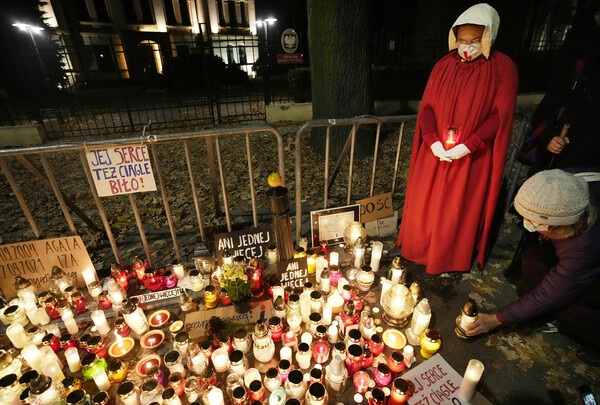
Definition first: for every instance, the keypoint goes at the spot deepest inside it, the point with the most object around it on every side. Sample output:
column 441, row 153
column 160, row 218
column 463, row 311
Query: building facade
column 112, row 40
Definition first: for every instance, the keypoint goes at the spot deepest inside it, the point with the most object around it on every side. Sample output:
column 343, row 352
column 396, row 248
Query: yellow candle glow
column 394, row 339
column 121, row 348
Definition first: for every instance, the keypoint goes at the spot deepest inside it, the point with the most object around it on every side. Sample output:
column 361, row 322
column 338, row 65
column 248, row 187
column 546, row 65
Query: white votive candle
column 409, row 355
column 470, row 380
column 52, row 369
column 72, row 355
column 100, row 322
column 215, row 397
column 376, row 252
column 41, row 316
column 16, row 334
column 46, row 353
column 53, row 329
column 32, row 355
column 220, row 359
column 71, row 325
column 327, row 313
column 334, row 259
column 101, row 379
column 285, row 353
column 89, row 275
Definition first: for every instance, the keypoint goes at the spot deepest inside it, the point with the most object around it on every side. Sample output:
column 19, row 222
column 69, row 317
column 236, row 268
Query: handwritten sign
column 250, row 243
column 34, row 261
column 197, row 322
column 161, row 295
column 293, row 273
column 383, row 226
column 122, row 170
column 436, row 382
column 379, row 206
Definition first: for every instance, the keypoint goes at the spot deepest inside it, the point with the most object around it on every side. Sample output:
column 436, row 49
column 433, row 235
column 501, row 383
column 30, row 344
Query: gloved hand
column 438, row 151
column 457, row 152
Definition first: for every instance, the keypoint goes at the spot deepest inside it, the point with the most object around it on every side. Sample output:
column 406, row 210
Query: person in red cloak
column 461, row 140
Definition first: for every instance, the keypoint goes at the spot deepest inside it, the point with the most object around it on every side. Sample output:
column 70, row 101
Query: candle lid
column 14, row 308
column 349, row 308
column 40, row 384
column 308, row 286
column 125, row 389
column 21, row 283
column 28, row 376
column 167, row 273
column 94, row 341
column 260, row 329
column 397, row 356
column 210, row 289
column 321, row 329
column 274, row 321
column 284, row 364
column 56, row 272
column 137, row 261
column 316, row 391
column 255, row 386
column 383, row 369
column 339, row 346
column 172, row 357
column 149, row 385
column 366, row 268
column 296, row 377
column 75, row 397
column 292, row 401
column 239, row 333
column 398, row 263
column 271, row 373
column 325, row 274
column 88, row 359
column 316, row 373
column 100, row 398
column 303, row 347
column 128, row 306
column 432, row 335
column 355, row 350
column 376, row 338
column 299, row 250
column 315, row 317
column 114, row 366
column 316, row 295
column 5, row 359
column 116, row 268
column 294, row 298
column 239, row 393
column 236, row 356
column 400, row 386
column 69, row 383
column 8, row 380
column 470, row 308
column 378, row 395
column 354, row 334
column 182, row 337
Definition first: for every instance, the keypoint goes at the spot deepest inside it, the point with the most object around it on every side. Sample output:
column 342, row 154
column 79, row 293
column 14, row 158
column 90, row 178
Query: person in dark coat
column 572, row 102
column 561, row 278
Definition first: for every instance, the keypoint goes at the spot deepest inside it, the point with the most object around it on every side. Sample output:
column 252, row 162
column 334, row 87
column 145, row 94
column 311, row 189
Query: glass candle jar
column 139, row 267
column 284, row 367
column 117, row 371
column 276, row 328
column 237, row 362
column 354, row 337
column 181, row 343
column 430, row 343
column 9, row 365
column 316, row 301
column 220, row 360
column 128, row 394
column 79, row 302
column 376, row 345
column 334, row 274
column 207, row 349
column 396, row 362
column 95, row 289
column 377, row 397
column 210, row 296
column 153, row 280
column 208, row 377
column 122, row 328
column 295, row 386
column 303, row 356
column 316, row 395
column 174, row 363
column 400, row 392
column 151, row 391
column 177, row 382
column 51, row 341
column 96, row 345
column 51, row 305
column 382, row 375
column 169, row 279
column 67, row 341
column 17, row 335
column 349, row 315
column 45, row 391
column 257, row 391
column 91, row 363
column 70, row 383
column 354, row 358
column 263, row 348
column 120, row 275
column 272, row 379
column 225, row 298
column 320, row 351
column 361, row 382
column 135, row 317
column 242, row 341
column 197, row 362
column 365, row 278
column 196, row 280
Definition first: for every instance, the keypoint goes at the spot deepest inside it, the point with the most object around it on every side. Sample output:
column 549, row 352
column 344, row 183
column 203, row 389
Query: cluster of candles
column 327, row 337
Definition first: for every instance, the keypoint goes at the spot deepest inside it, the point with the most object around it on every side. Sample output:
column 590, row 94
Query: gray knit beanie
column 553, row 197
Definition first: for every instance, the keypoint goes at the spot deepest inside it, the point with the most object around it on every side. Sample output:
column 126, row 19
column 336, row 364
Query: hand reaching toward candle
column 438, row 151
column 457, row 152
column 483, row 324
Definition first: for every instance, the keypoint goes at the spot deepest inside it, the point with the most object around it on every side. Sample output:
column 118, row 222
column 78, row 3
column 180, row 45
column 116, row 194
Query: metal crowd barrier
column 42, row 151
column 354, row 124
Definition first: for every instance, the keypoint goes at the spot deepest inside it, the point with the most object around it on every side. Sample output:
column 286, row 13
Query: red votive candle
column 396, row 362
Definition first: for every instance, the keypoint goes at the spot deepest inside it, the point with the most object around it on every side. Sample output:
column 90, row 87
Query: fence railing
column 23, row 154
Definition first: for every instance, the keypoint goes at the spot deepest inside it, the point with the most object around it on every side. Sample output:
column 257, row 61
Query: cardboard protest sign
column 197, row 322
column 121, row 170
column 250, row 243
column 293, row 272
column 376, row 207
column 436, row 382
column 34, row 261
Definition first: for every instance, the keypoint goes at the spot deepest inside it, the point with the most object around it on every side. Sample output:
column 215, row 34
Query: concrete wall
column 22, row 135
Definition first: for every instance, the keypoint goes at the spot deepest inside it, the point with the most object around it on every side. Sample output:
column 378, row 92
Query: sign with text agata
column 121, row 170
column 34, row 260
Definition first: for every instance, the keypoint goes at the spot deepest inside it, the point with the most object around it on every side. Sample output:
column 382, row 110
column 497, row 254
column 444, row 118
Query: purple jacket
column 577, row 269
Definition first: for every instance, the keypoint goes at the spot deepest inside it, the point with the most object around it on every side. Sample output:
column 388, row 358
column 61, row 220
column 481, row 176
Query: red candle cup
column 400, row 392
column 354, row 359
column 169, row 279
column 396, row 362
column 361, row 382
column 104, row 301
column 96, row 345
column 153, row 280
column 257, row 391
column 152, row 339
column 284, row 367
column 276, row 328
column 146, row 364
column 51, row 305
column 79, row 302
column 225, row 298
column 122, row 327
column 177, row 382
column 159, row 318
column 52, row 341
column 139, row 267
column 320, row 352
column 67, row 341
column 376, row 345
column 121, row 276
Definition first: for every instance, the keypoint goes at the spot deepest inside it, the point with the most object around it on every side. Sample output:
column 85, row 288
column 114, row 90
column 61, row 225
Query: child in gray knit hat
column 561, row 278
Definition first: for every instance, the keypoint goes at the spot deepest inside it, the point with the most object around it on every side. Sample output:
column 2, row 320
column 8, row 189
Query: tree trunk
column 338, row 32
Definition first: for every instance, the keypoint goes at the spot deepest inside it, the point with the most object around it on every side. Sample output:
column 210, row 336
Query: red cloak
column 449, row 206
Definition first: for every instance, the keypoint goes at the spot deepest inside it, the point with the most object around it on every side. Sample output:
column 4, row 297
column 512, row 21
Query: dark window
column 185, row 13
column 232, row 15
column 242, row 54
column 147, row 14
column 230, row 57
column 222, row 21
column 243, row 12
column 101, row 11
column 83, row 14
column 170, row 12
column 130, row 16
column 104, row 58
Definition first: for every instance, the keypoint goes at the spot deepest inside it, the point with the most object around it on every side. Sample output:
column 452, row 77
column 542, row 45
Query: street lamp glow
column 270, row 21
column 28, row 27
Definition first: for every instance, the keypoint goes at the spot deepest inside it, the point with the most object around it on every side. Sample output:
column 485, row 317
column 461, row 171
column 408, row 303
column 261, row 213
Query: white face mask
column 469, row 51
column 534, row 227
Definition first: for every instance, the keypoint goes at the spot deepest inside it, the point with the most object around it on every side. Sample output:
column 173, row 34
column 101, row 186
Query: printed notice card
column 122, row 170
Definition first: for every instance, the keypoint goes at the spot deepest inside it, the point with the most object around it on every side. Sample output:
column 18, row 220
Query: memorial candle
column 16, row 334
column 450, row 141
column 470, row 380
column 400, row 392
column 376, row 252
column 100, row 322
column 32, row 355
column 89, row 275
column 72, row 355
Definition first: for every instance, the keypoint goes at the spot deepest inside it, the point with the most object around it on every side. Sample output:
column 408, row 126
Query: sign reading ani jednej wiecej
column 250, row 243
column 293, row 273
